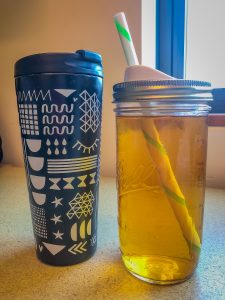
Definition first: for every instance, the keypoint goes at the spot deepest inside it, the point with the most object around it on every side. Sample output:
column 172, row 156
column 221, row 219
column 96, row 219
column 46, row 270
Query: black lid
column 79, row 62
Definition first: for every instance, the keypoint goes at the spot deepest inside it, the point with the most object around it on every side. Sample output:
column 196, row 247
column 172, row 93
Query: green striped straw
column 126, row 39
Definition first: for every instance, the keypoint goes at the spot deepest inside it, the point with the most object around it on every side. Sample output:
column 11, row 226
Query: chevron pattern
column 78, row 248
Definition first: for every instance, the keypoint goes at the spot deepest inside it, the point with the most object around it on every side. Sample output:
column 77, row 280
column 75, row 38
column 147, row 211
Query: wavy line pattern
column 57, row 119
column 33, row 95
column 56, row 108
column 56, row 130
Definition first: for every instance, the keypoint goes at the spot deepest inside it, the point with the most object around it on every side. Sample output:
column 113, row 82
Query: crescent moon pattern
column 37, row 181
column 36, row 163
column 33, row 145
column 39, row 198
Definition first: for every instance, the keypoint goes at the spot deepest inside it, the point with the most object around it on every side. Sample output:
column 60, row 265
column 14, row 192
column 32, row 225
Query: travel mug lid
column 79, row 62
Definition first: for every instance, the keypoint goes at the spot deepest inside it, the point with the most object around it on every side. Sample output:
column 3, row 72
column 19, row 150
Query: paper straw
column 126, row 39
column 159, row 155
column 170, row 185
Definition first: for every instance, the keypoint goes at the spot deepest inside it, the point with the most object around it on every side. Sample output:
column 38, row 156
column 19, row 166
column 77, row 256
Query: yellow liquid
column 153, row 242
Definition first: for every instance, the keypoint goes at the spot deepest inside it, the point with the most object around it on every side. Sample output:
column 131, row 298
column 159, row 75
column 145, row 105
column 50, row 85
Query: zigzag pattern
column 33, row 95
column 56, row 108
column 54, row 130
column 56, row 119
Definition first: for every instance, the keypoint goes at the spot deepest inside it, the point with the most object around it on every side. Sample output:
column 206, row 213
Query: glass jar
column 161, row 163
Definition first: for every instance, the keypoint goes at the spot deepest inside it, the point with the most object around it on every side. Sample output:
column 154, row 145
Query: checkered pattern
column 39, row 221
column 28, row 119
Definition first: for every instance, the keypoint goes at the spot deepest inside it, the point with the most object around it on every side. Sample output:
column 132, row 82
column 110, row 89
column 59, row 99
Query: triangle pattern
column 54, row 249
column 65, row 92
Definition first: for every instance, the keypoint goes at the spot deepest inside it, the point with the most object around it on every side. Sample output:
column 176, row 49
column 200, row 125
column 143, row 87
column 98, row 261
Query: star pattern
column 57, row 201
column 58, row 235
column 81, row 205
column 56, row 219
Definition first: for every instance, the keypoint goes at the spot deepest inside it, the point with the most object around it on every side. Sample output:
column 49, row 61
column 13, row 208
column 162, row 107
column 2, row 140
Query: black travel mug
column 59, row 97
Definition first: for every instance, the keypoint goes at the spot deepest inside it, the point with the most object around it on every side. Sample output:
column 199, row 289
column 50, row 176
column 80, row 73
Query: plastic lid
column 79, row 62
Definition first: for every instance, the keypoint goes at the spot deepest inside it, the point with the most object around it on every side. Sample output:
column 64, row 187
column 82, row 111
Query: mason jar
column 161, row 167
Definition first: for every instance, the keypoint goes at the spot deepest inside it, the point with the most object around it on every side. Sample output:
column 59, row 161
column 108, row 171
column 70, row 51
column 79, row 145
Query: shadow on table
column 23, row 276
column 21, row 273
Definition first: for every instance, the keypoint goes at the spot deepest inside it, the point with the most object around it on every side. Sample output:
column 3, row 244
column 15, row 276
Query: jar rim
column 163, row 90
column 157, row 84
column 161, row 97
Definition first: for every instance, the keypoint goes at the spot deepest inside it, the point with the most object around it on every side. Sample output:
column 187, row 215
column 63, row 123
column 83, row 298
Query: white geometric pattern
column 29, row 119
column 91, row 109
column 81, row 205
column 39, row 221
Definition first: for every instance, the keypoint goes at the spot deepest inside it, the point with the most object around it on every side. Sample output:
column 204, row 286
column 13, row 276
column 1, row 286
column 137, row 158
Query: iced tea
column 153, row 242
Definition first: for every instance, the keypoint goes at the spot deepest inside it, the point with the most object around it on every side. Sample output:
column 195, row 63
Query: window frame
column 171, row 49
column 171, row 37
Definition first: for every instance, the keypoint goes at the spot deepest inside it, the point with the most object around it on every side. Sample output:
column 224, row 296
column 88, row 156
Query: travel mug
column 161, row 163
column 59, row 97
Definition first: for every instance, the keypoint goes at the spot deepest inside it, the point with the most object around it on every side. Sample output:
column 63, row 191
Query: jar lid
column 79, row 62
column 162, row 97
column 162, row 89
